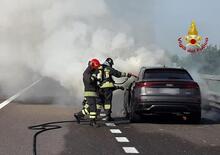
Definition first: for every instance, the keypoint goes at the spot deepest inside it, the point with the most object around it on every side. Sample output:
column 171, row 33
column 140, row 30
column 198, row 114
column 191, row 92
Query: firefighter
column 90, row 93
column 107, row 86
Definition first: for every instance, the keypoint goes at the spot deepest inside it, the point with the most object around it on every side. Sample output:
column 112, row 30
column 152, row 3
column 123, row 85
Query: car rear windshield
column 166, row 74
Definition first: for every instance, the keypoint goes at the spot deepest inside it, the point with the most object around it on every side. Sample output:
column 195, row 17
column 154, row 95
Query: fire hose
column 121, row 83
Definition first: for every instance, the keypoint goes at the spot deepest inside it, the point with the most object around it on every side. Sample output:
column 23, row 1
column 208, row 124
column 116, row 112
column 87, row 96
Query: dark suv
column 163, row 90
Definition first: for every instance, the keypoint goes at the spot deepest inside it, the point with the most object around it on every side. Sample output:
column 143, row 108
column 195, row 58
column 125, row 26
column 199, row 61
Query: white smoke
column 56, row 38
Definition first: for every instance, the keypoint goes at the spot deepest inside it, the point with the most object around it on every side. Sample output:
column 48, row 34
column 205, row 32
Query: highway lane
column 171, row 136
column 166, row 136
column 17, row 139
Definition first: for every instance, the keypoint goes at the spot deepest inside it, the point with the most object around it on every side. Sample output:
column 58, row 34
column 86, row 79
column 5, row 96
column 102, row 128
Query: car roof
column 177, row 68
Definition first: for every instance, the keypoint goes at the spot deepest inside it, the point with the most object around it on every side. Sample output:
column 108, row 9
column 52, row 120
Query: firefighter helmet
column 94, row 63
column 110, row 61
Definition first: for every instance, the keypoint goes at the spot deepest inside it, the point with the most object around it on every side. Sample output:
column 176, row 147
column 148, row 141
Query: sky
column 162, row 22
column 173, row 17
column 136, row 14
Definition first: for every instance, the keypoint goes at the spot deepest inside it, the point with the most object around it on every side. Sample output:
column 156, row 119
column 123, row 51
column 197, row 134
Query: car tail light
column 186, row 85
column 185, row 88
column 190, row 85
column 146, row 84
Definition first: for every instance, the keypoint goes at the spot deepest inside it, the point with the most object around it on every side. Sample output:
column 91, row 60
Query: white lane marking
column 130, row 150
column 110, row 124
column 122, row 139
column 18, row 94
column 115, row 131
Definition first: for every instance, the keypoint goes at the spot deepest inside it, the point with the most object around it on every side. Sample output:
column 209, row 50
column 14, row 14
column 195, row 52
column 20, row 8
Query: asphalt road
column 59, row 134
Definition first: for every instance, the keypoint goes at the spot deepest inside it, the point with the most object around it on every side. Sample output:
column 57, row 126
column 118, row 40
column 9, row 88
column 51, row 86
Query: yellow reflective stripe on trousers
column 92, row 113
column 92, row 116
column 99, row 106
column 83, row 112
column 90, row 93
column 86, row 106
column 107, row 106
column 86, row 110
column 107, row 85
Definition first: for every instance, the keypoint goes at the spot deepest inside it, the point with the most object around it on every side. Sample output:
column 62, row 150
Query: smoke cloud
column 56, row 38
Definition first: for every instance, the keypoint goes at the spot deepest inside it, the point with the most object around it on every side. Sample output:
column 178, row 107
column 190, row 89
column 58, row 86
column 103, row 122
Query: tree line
column 205, row 62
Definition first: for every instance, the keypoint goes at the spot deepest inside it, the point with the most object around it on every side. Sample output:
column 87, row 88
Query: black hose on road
column 45, row 127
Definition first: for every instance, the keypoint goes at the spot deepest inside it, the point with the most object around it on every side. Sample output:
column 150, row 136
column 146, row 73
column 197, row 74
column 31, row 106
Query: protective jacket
column 106, row 76
column 90, row 84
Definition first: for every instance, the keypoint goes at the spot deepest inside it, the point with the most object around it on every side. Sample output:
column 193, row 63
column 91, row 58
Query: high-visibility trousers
column 85, row 109
column 89, row 107
column 92, row 107
column 106, row 97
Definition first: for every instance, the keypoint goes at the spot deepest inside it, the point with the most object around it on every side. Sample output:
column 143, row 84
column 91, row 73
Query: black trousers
column 105, row 98
column 92, row 107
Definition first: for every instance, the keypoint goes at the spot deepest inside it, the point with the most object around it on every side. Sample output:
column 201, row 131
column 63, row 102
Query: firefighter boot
column 78, row 117
column 93, row 123
column 108, row 118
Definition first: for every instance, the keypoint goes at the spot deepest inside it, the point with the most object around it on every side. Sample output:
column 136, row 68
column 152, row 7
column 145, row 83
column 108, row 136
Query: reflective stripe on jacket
column 107, row 85
column 90, row 94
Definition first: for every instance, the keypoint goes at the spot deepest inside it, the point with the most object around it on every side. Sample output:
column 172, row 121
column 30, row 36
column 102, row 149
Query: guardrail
column 210, row 77
column 213, row 96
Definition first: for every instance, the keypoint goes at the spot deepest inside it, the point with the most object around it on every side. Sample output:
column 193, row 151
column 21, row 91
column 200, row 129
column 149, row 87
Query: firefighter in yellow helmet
column 107, row 86
column 90, row 92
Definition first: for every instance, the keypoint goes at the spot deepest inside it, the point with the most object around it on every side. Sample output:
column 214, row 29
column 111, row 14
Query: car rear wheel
column 195, row 117
column 134, row 117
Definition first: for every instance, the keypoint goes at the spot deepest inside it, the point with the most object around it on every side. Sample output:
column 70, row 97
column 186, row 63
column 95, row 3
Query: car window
column 166, row 74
